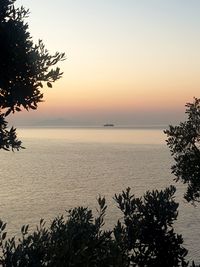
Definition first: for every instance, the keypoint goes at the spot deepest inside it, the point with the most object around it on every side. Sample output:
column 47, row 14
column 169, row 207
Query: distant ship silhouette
column 108, row 125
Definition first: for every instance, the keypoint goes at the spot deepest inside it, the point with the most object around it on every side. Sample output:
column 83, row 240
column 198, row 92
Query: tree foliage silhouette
column 144, row 237
column 24, row 68
column 184, row 143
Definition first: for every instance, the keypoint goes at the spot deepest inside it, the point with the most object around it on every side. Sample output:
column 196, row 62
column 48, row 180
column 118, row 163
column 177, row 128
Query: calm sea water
column 63, row 168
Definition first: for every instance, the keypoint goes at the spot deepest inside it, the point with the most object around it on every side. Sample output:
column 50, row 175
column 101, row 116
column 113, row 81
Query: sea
column 62, row 168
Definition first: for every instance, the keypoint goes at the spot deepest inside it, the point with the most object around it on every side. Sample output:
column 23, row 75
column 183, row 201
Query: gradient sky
column 129, row 62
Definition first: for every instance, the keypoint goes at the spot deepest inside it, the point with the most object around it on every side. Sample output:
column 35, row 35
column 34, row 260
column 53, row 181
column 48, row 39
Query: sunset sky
column 129, row 62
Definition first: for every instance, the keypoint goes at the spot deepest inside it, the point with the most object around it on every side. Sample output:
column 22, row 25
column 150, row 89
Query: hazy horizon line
column 117, row 126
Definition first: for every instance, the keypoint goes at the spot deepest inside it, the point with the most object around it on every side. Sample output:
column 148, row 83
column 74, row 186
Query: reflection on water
column 99, row 135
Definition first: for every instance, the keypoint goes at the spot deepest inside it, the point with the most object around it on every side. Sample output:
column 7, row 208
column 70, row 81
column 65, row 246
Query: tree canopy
column 184, row 143
column 24, row 68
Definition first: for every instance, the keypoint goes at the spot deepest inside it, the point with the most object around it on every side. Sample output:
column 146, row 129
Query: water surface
column 62, row 168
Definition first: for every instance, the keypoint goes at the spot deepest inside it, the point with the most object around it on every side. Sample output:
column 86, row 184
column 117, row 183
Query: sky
column 128, row 62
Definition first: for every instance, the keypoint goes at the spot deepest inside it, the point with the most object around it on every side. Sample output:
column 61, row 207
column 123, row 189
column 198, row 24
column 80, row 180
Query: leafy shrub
column 145, row 237
column 147, row 234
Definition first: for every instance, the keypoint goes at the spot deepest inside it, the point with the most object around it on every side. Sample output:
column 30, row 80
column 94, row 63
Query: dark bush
column 144, row 237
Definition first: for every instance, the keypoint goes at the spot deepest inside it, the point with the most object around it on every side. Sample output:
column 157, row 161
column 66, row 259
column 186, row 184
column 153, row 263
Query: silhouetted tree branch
column 24, row 68
column 146, row 235
column 184, row 143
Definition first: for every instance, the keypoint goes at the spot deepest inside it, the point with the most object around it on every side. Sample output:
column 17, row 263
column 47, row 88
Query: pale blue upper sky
column 127, row 61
